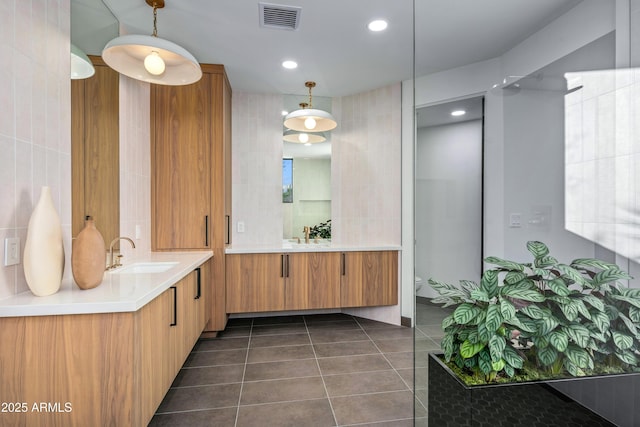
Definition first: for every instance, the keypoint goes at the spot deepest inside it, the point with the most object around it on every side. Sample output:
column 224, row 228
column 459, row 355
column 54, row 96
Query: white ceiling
column 332, row 45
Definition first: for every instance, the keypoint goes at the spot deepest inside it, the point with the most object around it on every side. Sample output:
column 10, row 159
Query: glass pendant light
column 310, row 119
column 150, row 58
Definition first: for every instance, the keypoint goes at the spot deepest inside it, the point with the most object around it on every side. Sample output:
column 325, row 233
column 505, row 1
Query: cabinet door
column 312, row 280
column 255, row 282
column 157, row 370
column 369, row 278
column 180, row 135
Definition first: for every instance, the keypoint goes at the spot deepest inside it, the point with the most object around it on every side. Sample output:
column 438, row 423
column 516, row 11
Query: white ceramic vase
column 43, row 251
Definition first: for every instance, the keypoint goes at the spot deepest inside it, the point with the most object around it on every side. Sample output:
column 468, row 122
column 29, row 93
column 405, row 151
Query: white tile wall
column 257, row 169
column 35, row 133
column 366, row 163
column 135, row 165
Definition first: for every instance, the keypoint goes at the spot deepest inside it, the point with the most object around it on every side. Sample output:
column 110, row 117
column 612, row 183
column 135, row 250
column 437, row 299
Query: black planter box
column 534, row 404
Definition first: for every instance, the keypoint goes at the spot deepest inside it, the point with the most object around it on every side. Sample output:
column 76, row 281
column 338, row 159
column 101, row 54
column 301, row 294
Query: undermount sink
column 145, row 267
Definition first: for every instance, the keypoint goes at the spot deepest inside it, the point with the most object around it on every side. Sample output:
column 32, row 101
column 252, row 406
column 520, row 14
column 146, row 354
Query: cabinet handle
column 344, row 264
column 281, row 265
column 287, row 265
column 228, row 230
column 198, row 283
column 206, row 230
column 175, row 306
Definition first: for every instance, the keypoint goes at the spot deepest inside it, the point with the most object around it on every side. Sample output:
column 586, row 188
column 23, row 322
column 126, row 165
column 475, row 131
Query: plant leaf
column 494, row 318
column 578, row 356
column 465, row 313
column 572, row 368
column 629, row 324
column 497, row 345
column 533, row 311
column 484, row 361
column 545, row 261
column 513, row 277
column 593, row 301
column 538, row 249
column 558, row 287
column 622, row 341
column 480, row 295
column 447, row 346
column 547, row 324
column 508, row 369
column 489, row 283
column 512, row 357
column 448, row 321
column 570, row 310
column 600, row 320
column 468, row 349
column 498, row 366
column 634, row 313
column 572, row 274
column 509, row 265
column 610, row 275
column 507, row 309
column 483, row 333
column 559, row 340
column 594, row 263
column 523, row 294
column 633, row 301
column 578, row 333
column 627, row 357
column 547, row 355
column 447, row 290
column 468, row 285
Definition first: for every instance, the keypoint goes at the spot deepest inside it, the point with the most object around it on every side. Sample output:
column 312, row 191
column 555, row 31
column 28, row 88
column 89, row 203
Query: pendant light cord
column 155, row 20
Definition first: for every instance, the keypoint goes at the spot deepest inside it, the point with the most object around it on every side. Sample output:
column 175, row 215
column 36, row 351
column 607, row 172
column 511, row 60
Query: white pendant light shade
column 302, row 120
column 81, row 66
column 129, row 54
column 303, row 137
column 310, row 119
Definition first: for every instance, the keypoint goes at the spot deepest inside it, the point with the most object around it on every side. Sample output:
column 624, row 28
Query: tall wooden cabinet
column 191, row 177
column 95, row 178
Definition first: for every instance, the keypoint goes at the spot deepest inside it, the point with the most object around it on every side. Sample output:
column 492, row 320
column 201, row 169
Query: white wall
column 35, row 122
column 448, row 203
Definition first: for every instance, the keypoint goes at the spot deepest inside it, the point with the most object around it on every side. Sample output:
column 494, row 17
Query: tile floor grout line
column 333, row 412
column 389, row 362
column 244, row 371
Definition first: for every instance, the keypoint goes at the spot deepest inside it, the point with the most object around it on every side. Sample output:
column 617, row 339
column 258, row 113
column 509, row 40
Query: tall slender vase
column 43, row 250
column 88, row 256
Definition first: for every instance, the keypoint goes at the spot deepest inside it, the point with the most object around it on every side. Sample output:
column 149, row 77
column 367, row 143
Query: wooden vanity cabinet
column 276, row 281
column 191, row 174
column 98, row 369
column 369, row 278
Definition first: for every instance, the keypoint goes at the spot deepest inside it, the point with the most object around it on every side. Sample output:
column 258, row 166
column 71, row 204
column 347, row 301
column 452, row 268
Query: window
column 287, row 180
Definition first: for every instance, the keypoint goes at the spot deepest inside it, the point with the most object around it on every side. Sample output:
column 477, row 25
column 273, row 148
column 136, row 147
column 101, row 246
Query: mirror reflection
column 306, row 183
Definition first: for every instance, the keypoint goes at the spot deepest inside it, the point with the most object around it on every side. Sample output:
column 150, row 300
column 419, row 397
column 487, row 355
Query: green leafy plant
column 545, row 316
column 321, row 231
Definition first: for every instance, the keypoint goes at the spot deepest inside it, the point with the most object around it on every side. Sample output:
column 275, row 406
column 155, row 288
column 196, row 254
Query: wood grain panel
column 351, row 280
column 254, row 283
column 313, row 281
column 95, row 150
column 181, row 164
column 369, row 279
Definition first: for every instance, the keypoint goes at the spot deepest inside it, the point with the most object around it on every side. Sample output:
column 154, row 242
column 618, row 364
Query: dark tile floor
column 318, row 370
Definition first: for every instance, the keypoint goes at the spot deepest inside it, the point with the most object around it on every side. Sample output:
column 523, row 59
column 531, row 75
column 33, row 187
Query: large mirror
column 306, row 180
column 94, row 124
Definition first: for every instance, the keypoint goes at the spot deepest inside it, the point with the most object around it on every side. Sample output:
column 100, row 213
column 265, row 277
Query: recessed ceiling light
column 285, row 112
column 308, row 144
column 457, row 113
column 377, row 25
column 290, row 65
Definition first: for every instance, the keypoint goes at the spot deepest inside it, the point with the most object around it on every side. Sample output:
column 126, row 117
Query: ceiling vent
column 279, row 17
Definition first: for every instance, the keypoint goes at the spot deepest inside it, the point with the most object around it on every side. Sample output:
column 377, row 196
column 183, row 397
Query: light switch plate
column 240, row 227
column 515, row 220
column 11, row 251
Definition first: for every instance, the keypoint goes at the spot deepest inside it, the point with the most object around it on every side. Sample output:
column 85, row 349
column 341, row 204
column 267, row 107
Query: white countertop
column 118, row 292
column 287, row 247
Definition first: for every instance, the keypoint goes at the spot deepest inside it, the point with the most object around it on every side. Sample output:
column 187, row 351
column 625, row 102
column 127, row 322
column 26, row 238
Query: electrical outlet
column 240, row 227
column 11, row 251
column 515, row 220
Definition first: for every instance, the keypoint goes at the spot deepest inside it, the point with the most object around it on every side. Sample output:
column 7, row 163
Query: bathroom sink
column 145, row 267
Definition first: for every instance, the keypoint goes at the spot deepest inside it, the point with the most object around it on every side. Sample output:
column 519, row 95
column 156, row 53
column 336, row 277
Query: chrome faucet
column 116, row 263
column 306, row 230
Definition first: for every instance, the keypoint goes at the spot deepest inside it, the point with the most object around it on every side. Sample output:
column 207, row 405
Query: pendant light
column 310, row 119
column 150, row 58
column 302, row 137
column 81, row 66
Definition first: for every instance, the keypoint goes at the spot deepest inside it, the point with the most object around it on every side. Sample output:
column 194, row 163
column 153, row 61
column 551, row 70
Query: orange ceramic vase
column 88, row 256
